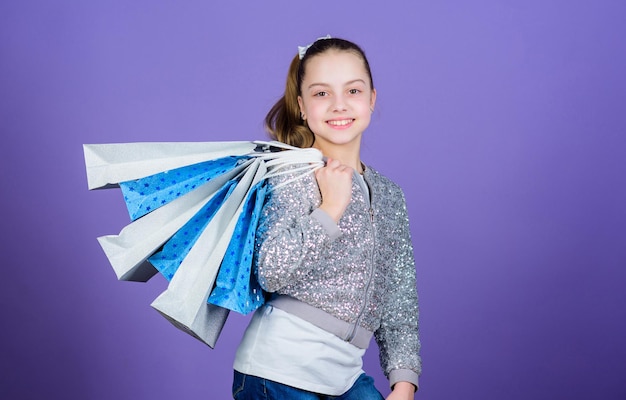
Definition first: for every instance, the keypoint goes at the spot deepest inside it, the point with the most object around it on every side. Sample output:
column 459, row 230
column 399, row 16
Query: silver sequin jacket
column 364, row 278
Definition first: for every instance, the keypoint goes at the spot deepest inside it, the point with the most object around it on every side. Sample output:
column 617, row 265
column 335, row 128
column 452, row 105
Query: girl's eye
column 321, row 94
column 354, row 91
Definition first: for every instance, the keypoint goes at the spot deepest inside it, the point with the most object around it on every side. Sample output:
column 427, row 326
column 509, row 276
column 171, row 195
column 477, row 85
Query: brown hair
column 284, row 121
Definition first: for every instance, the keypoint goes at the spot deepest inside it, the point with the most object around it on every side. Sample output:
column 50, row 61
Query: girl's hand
column 335, row 183
column 402, row 391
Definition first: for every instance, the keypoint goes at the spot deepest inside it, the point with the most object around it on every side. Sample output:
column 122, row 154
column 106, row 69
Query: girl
column 333, row 249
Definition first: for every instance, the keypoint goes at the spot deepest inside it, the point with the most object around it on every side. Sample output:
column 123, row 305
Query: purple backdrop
column 505, row 125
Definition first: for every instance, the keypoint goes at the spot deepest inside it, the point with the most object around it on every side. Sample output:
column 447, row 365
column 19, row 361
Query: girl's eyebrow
column 345, row 84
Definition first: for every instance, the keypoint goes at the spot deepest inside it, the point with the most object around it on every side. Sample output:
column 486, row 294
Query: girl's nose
column 339, row 104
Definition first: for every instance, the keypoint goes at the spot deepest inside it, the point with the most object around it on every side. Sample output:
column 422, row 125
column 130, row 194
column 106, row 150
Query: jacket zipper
column 371, row 269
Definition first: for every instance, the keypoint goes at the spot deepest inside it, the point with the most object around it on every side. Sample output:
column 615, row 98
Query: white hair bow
column 302, row 49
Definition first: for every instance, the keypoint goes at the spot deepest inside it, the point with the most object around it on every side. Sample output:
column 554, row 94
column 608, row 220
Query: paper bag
column 184, row 302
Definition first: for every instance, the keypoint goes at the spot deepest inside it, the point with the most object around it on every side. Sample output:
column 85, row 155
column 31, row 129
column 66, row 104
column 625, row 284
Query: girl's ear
column 373, row 100
column 301, row 105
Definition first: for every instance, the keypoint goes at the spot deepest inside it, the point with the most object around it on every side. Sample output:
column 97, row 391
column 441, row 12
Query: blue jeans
column 248, row 387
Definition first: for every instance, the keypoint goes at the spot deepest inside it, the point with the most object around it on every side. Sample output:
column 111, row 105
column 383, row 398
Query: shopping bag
column 147, row 194
column 129, row 250
column 109, row 164
column 118, row 164
column 184, row 302
column 236, row 288
column 171, row 255
column 185, row 201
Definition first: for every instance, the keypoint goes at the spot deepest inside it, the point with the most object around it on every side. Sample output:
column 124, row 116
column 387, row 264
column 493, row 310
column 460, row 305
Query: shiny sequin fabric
column 365, row 277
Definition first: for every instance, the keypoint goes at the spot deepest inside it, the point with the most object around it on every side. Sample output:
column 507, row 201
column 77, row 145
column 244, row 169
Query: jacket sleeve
column 398, row 335
column 292, row 233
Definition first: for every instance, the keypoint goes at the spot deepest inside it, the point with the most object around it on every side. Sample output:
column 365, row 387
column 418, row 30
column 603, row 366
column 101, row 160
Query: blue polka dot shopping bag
column 194, row 209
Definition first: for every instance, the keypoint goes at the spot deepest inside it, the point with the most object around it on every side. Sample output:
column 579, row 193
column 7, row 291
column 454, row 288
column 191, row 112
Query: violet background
column 504, row 122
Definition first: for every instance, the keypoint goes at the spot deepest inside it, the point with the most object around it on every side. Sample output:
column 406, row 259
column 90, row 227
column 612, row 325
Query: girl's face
column 337, row 100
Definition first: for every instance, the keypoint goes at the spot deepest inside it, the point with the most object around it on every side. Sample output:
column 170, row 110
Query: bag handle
column 277, row 161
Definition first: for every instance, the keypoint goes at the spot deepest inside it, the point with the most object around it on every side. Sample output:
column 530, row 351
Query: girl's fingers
column 335, row 184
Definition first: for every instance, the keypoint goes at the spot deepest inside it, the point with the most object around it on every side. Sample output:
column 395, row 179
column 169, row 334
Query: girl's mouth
column 340, row 122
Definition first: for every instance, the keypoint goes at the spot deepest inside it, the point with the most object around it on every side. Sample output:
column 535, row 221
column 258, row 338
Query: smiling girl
column 333, row 249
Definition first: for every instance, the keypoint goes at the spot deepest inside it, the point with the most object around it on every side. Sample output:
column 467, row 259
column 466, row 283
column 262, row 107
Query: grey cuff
column 329, row 224
column 403, row 375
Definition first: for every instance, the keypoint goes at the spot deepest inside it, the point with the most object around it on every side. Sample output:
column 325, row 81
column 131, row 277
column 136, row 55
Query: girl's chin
column 337, row 140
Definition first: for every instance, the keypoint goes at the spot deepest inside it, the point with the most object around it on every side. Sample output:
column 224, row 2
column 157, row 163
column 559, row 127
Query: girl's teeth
column 340, row 123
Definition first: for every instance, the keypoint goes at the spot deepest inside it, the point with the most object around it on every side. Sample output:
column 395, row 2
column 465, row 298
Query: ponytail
column 284, row 121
